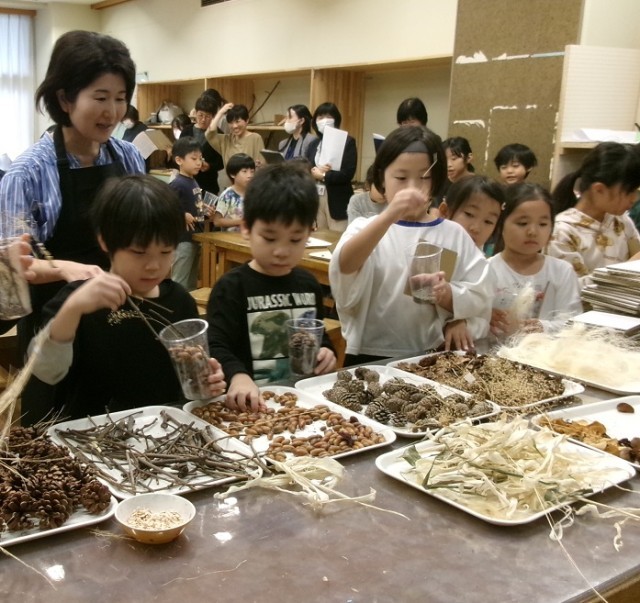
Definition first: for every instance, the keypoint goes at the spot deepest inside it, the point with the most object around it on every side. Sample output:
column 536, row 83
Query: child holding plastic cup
column 532, row 291
column 369, row 270
column 102, row 349
column 251, row 304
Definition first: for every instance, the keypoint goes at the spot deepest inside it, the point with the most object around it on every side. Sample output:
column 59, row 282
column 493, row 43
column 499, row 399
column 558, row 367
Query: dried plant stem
column 8, row 554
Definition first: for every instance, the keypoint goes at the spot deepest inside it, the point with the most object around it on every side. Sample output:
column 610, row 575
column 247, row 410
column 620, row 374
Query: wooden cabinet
column 269, row 94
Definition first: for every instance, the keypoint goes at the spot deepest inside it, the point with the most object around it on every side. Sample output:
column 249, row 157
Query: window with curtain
column 17, row 85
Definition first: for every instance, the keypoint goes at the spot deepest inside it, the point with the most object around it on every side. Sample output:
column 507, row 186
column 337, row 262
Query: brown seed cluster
column 193, row 368
column 337, row 433
column 502, row 381
column 42, row 485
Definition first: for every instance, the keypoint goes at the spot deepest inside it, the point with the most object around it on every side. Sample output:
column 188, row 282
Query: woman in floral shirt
column 592, row 228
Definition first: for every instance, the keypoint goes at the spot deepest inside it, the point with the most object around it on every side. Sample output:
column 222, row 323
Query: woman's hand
column 318, row 172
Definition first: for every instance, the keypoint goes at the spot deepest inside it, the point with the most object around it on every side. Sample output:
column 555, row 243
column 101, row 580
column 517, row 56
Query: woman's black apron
column 73, row 239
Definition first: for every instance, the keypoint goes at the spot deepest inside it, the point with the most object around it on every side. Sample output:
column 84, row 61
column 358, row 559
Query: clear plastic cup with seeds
column 186, row 342
column 305, row 340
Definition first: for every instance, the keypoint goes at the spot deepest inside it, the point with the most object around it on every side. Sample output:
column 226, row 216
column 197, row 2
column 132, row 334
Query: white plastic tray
column 314, row 386
column 618, row 425
column 149, row 419
column 396, row 467
column 571, row 388
column 80, row 519
column 623, row 389
column 261, row 443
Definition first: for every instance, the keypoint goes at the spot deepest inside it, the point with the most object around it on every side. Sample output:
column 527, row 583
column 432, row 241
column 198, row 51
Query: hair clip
column 431, row 166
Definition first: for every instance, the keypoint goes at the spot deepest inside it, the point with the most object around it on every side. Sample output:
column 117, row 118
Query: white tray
column 571, row 388
column 79, row 519
column 624, row 389
column 618, row 424
column 149, row 416
column 314, row 386
column 261, row 443
column 395, row 466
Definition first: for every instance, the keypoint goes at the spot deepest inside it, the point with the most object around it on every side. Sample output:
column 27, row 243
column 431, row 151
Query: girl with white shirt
column 523, row 276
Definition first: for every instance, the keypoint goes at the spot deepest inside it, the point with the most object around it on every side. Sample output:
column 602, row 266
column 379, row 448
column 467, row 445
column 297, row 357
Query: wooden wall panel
column 150, row 96
column 239, row 91
column 510, row 91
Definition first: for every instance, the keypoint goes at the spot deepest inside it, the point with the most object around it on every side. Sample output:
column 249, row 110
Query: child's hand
column 326, row 362
column 500, row 324
column 204, row 166
column 443, row 293
column 217, row 384
column 531, row 325
column 457, row 336
column 408, row 203
column 190, row 220
column 225, row 108
column 243, row 394
column 104, row 291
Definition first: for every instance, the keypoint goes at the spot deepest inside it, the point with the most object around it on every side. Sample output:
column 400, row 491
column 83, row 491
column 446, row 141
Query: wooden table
column 221, row 251
column 264, row 546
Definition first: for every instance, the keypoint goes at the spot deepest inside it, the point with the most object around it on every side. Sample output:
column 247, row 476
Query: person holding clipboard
column 333, row 158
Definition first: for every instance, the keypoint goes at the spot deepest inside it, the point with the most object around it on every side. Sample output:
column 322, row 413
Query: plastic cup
column 15, row 301
column 305, row 340
column 424, row 265
column 505, row 301
column 186, row 342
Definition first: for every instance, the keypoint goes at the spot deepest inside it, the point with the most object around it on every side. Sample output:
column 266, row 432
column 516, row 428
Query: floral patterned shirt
column 588, row 244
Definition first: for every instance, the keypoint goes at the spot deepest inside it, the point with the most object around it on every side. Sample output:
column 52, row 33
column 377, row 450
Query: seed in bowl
column 144, row 519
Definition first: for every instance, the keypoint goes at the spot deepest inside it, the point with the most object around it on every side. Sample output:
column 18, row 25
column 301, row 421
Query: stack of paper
column 627, row 325
column 615, row 288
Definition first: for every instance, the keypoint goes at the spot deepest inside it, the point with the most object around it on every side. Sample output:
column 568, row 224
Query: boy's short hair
column 412, row 108
column 185, row 145
column 281, row 192
column 206, row 104
column 237, row 162
column 137, row 210
column 237, row 112
column 516, row 152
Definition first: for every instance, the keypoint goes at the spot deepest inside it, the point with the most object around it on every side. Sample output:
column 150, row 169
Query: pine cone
column 344, row 376
column 95, row 497
column 15, row 510
column 54, row 508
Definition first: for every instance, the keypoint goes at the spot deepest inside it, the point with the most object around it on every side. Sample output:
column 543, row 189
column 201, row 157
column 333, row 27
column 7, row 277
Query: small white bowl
column 155, row 502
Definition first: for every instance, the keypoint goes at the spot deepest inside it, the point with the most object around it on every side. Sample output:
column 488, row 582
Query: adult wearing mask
column 333, row 182
column 298, row 127
column 132, row 124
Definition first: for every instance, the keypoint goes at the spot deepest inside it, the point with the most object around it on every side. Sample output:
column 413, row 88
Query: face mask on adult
column 323, row 123
column 290, row 127
column 176, row 133
column 128, row 124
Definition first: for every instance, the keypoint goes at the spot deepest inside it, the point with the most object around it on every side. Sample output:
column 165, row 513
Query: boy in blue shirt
column 188, row 157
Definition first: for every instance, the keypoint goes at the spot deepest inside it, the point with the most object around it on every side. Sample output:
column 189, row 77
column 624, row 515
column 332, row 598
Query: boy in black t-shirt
column 188, row 156
column 250, row 304
column 100, row 352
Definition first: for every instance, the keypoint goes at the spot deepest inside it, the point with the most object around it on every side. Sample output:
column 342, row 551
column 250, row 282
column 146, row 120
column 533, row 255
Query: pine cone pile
column 42, row 485
column 400, row 403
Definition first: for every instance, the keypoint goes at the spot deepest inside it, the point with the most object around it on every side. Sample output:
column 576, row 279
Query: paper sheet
column 332, row 150
column 151, row 140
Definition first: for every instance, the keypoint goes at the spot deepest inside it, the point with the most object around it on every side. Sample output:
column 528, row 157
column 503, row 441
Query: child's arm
column 222, row 222
column 355, row 251
column 104, row 291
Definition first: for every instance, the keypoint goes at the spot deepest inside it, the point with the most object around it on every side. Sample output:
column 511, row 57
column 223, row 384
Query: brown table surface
column 222, row 250
column 267, row 546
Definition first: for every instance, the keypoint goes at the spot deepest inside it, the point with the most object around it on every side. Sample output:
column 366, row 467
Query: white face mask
column 128, row 124
column 176, row 133
column 290, row 127
column 323, row 123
